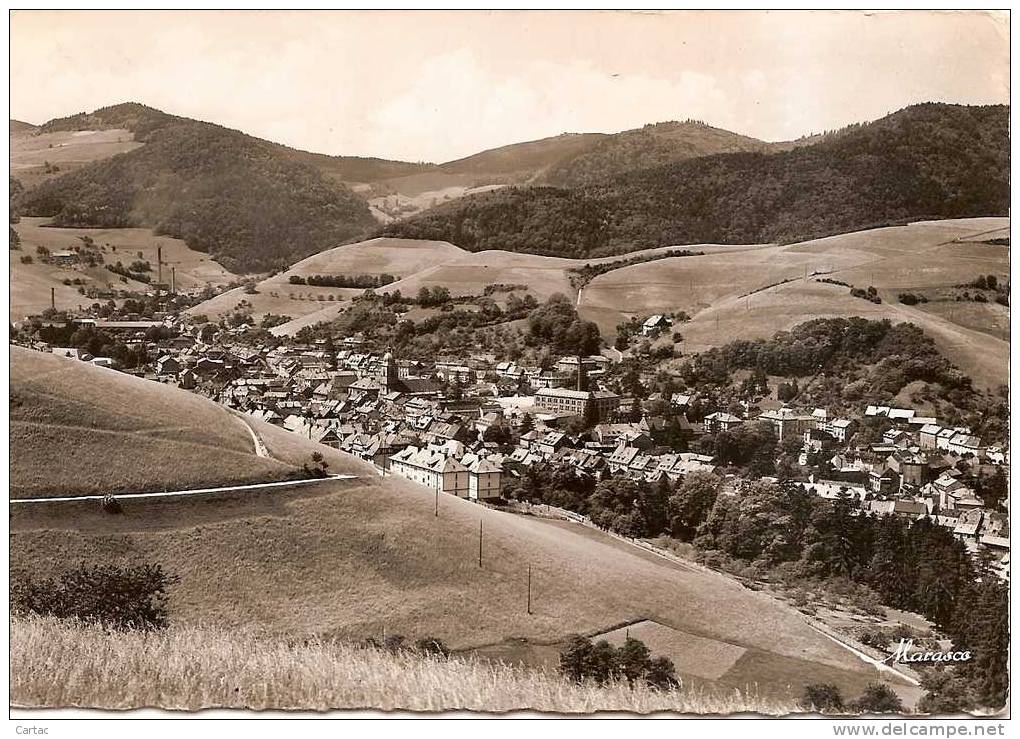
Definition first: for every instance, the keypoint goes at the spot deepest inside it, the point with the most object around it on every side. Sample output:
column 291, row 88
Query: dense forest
column 225, row 193
column 931, row 160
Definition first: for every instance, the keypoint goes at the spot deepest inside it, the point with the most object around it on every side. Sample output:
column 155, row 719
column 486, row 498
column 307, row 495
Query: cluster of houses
column 454, row 424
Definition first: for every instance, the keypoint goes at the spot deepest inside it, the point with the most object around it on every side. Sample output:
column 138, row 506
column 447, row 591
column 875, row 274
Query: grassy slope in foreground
column 79, row 429
column 367, row 557
column 189, row 668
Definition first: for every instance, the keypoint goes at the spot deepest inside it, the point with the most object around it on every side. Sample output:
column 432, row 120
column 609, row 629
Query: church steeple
column 390, row 372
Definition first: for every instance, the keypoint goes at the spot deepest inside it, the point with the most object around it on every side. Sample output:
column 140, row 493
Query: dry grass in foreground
column 60, row 664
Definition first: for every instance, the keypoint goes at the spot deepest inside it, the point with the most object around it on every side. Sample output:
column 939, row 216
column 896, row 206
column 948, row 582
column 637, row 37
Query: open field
column 741, row 294
column 397, row 257
column 189, row 668
column 67, row 150
column 987, row 318
column 418, row 264
column 31, row 283
column 694, row 655
column 79, row 429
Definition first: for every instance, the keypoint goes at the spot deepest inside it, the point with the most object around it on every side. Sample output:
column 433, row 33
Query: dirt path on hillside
column 261, row 450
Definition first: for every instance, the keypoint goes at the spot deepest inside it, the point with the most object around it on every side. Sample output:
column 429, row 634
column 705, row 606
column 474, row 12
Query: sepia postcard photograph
column 509, row 364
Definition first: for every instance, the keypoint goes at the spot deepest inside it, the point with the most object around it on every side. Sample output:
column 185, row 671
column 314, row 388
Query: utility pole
column 529, row 590
column 437, row 502
column 479, row 545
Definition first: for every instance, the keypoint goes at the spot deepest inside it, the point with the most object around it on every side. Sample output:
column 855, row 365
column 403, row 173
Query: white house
column 484, row 477
column 431, row 468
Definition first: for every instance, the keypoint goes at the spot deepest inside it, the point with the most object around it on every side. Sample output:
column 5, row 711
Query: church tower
column 390, row 373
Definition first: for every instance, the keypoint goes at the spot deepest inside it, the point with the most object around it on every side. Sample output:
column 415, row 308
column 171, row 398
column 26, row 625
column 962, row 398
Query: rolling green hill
column 83, row 430
column 932, row 160
column 251, row 204
column 20, row 127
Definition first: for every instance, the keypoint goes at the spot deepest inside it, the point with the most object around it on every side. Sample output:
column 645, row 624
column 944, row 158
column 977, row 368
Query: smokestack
column 53, row 298
column 159, row 262
column 173, row 280
column 582, row 376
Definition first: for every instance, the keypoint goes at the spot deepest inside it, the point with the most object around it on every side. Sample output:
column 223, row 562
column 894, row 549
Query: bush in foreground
column 114, row 597
column 826, row 698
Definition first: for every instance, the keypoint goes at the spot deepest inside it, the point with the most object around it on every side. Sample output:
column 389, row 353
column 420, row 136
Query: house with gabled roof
column 720, row 421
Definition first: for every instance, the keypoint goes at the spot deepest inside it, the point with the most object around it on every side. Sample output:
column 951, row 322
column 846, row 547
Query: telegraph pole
column 528, row 589
column 437, row 502
column 479, row 545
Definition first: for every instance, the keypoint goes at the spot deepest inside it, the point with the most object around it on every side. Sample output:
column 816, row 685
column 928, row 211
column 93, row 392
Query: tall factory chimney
column 173, row 280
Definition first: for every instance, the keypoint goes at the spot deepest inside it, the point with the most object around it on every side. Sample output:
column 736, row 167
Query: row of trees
column 601, row 662
column 355, row 281
column 620, row 504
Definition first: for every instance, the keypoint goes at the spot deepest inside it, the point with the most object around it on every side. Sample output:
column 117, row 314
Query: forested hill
column 925, row 161
column 650, row 146
column 252, row 204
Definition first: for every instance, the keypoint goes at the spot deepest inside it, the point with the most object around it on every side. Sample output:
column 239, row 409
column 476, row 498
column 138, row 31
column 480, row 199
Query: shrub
column 432, row 646
column 877, row 698
column 115, row 597
column 875, row 638
column 111, row 505
column 822, row 698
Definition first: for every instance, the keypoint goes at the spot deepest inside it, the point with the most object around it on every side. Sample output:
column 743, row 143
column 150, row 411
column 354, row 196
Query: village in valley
column 471, row 424
column 567, row 362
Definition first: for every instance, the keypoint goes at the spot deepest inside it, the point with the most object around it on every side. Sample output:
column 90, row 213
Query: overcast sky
column 439, row 85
